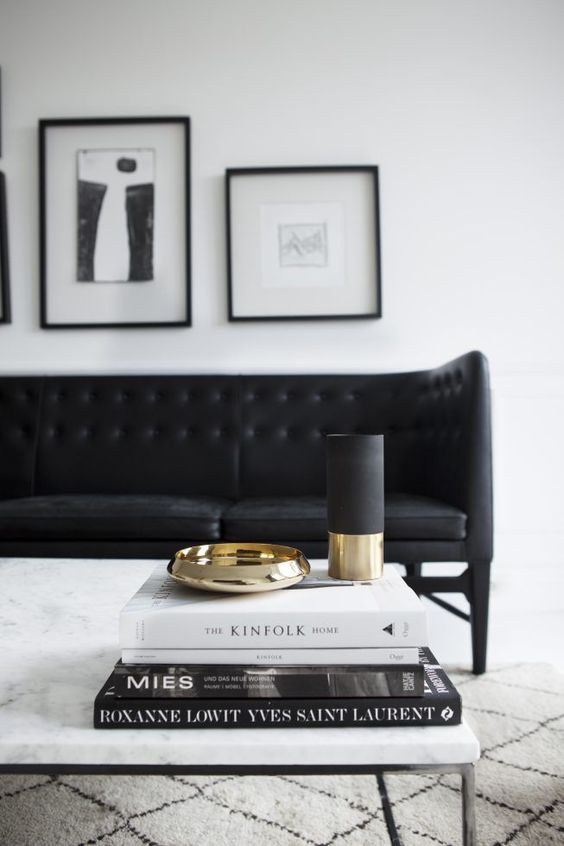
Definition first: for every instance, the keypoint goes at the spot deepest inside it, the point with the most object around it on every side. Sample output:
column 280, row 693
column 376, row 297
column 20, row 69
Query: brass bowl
column 239, row 567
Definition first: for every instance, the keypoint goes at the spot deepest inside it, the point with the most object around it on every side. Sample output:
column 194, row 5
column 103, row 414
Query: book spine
column 235, row 682
column 378, row 655
column 162, row 630
column 295, row 713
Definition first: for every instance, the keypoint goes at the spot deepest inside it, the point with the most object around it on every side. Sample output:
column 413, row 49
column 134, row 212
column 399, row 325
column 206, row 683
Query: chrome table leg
column 468, row 805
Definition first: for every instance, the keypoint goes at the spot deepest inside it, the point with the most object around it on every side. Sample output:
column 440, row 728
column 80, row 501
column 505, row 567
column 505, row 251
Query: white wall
column 459, row 103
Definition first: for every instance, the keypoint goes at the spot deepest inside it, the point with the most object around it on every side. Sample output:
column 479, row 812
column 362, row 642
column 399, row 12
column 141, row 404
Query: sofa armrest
column 456, row 423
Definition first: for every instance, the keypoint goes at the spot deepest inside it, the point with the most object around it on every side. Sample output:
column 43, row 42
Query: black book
column 196, row 681
column 439, row 705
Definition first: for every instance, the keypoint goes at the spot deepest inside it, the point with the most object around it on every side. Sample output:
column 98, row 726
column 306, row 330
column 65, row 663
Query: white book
column 288, row 657
column 164, row 614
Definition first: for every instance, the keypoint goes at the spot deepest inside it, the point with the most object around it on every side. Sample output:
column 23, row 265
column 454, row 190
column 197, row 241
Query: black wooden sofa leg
column 413, row 570
column 479, row 599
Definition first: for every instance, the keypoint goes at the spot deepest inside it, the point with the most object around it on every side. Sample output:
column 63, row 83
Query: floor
column 526, row 619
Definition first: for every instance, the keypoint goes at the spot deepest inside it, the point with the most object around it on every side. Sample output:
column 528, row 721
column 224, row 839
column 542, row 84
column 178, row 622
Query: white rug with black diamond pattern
column 516, row 711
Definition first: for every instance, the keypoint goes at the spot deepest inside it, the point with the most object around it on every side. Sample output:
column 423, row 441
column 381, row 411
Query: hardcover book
column 255, row 682
column 166, row 615
column 439, row 705
column 246, row 657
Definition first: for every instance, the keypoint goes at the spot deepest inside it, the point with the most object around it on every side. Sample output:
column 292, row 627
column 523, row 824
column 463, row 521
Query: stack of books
column 321, row 653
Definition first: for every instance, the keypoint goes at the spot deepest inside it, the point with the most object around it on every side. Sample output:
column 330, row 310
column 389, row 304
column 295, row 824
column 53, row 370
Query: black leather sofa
column 140, row 466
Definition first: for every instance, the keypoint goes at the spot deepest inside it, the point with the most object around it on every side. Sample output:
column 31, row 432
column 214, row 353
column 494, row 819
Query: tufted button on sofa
column 140, row 466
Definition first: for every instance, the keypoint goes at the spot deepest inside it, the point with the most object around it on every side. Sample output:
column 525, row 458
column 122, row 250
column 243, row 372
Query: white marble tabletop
column 59, row 642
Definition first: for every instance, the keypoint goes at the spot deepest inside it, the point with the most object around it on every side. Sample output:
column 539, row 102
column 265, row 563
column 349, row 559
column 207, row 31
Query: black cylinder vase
column 355, row 506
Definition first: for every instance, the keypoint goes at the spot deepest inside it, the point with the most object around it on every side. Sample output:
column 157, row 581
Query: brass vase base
column 356, row 558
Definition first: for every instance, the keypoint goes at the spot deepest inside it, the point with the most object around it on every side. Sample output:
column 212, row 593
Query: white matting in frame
column 303, row 242
column 86, row 279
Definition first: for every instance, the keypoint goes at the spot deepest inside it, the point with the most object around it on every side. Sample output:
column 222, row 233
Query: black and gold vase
column 355, row 506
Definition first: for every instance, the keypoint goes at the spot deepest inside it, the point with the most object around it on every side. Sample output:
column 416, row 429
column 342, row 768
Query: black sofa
column 140, row 466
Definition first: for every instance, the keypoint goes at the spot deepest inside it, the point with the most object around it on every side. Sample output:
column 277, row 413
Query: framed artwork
column 114, row 222
column 5, row 313
column 303, row 243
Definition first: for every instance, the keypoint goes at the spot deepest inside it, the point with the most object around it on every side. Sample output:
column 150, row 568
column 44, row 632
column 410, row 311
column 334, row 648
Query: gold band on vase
column 356, row 557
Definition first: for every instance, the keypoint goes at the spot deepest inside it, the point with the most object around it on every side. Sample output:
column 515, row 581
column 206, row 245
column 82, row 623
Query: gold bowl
column 239, row 567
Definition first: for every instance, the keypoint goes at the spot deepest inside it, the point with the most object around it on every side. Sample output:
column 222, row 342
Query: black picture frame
column 303, row 243
column 78, row 162
column 5, row 305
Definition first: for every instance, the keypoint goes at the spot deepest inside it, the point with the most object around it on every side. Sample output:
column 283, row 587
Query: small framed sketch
column 5, row 314
column 115, row 222
column 303, row 243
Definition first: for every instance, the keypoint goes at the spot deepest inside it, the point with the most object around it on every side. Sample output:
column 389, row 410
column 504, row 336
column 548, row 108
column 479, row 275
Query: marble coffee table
column 59, row 640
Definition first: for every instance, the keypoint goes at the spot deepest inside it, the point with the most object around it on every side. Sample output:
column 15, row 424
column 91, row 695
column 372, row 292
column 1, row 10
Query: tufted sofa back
column 119, row 434
column 285, row 420
column 421, row 414
column 234, row 436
